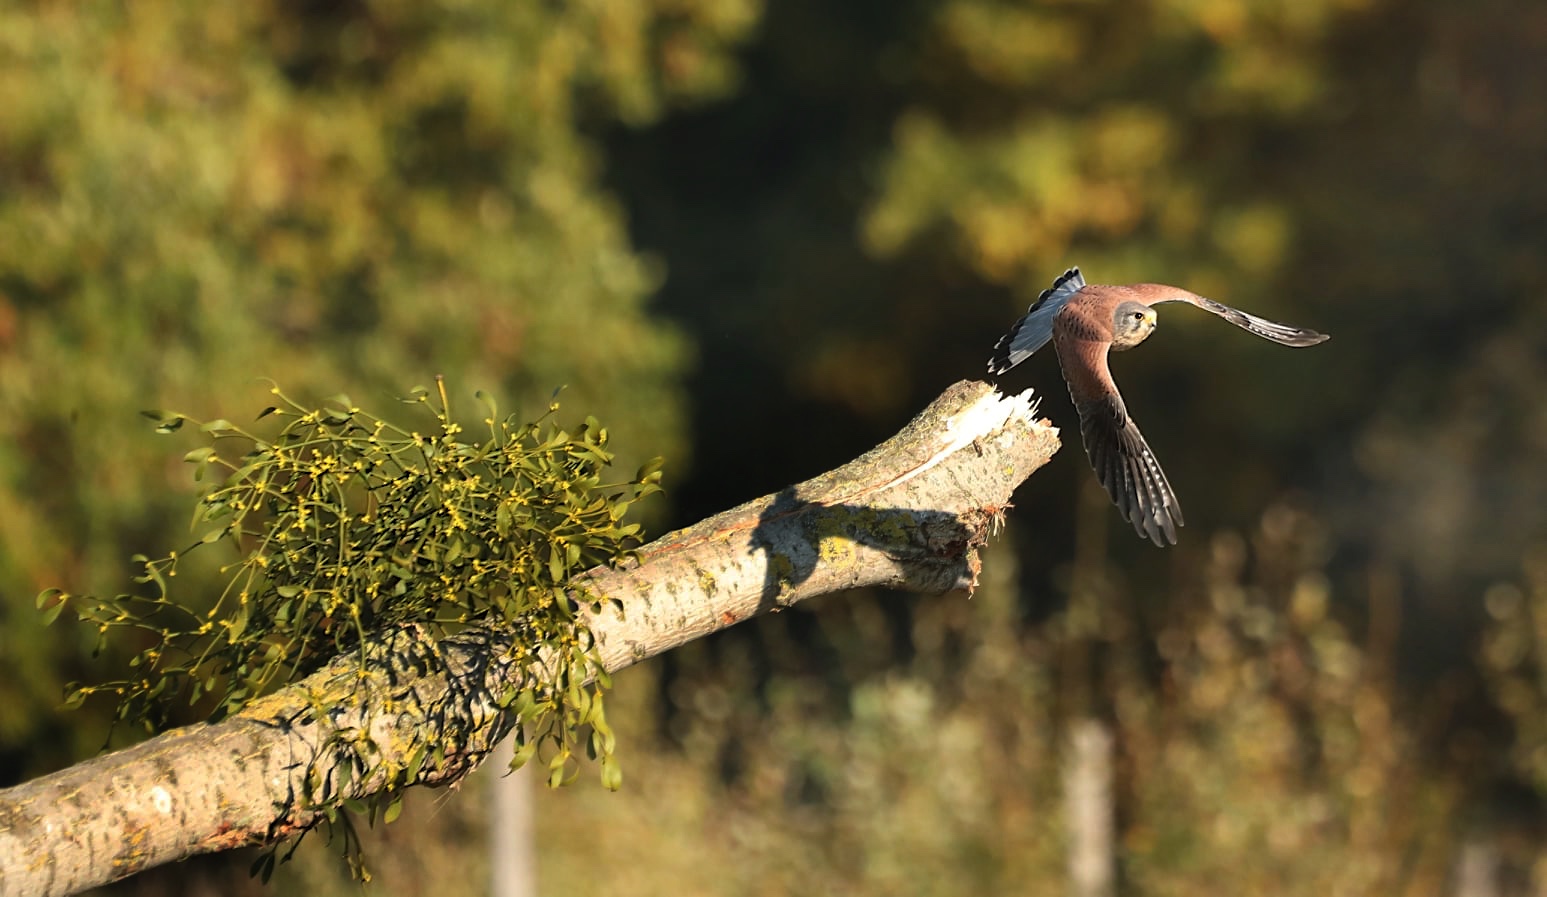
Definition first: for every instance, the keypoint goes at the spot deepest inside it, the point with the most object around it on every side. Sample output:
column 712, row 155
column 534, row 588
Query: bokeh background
column 756, row 238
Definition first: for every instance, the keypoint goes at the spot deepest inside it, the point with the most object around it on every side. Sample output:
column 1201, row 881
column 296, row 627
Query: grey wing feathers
column 1272, row 330
column 1128, row 469
column 1035, row 328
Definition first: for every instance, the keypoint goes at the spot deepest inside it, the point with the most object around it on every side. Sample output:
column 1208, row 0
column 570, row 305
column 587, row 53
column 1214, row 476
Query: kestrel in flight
column 1087, row 321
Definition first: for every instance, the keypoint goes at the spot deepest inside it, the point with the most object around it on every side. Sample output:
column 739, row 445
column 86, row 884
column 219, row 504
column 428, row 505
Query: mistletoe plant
column 342, row 525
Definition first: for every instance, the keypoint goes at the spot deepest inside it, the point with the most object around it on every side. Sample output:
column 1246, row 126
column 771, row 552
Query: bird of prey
column 1085, row 323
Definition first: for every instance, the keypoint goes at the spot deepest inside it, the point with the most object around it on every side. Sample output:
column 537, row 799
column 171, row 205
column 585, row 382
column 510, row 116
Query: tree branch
column 909, row 514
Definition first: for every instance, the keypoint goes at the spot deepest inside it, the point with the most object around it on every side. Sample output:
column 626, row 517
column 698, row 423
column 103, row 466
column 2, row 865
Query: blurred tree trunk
column 512, row 828
column 1088, row 809
column 909, row 514
column 1477, row 868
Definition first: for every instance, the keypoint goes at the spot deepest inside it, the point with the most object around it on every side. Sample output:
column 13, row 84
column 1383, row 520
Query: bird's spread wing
column 1278, row 333
column 1128, row 469
column 1122, row 459
column 1035, row 328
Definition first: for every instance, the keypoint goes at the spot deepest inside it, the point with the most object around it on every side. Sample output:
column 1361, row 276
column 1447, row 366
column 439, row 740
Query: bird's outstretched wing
column 1035, row 328
column 1278, row 333
column 1128, row 469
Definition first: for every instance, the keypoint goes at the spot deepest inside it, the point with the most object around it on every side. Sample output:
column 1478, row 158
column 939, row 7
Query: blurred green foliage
column 839, row 206
column 1273, row 755
column 346, row 196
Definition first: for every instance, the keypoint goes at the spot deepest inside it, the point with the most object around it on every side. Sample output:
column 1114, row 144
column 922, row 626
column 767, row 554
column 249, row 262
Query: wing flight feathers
column 1035, row 328
column 1282, row 334
column 1128, row 469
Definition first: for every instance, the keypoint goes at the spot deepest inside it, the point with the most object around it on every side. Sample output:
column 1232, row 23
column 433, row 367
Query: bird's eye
column 1138, row 316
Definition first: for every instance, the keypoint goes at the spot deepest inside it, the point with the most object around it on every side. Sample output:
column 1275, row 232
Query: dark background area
column 757, row 240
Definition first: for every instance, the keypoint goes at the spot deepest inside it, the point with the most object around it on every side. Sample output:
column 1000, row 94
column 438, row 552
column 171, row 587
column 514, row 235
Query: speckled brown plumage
column 1085, row 323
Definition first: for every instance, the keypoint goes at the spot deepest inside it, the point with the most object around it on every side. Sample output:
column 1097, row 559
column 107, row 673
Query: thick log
column 909, row 514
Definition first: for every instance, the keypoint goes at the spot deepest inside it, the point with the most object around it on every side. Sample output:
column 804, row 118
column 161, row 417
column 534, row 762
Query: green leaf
column 394, row 809
column 46, row 594
column 524, row 703
column 612, row 773
column 415, row 763
column 650, row 471
column 489, row 403
column 199, row 455
column 346, row 774
column 239, row 621
column 523, row 754
column 606, row 740
column 556, row 768
column 52, row 612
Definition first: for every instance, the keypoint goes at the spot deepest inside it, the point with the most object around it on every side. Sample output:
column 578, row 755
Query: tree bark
column 909, row 514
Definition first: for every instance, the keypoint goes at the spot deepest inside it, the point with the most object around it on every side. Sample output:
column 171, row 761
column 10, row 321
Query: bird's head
column 1132, row 323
